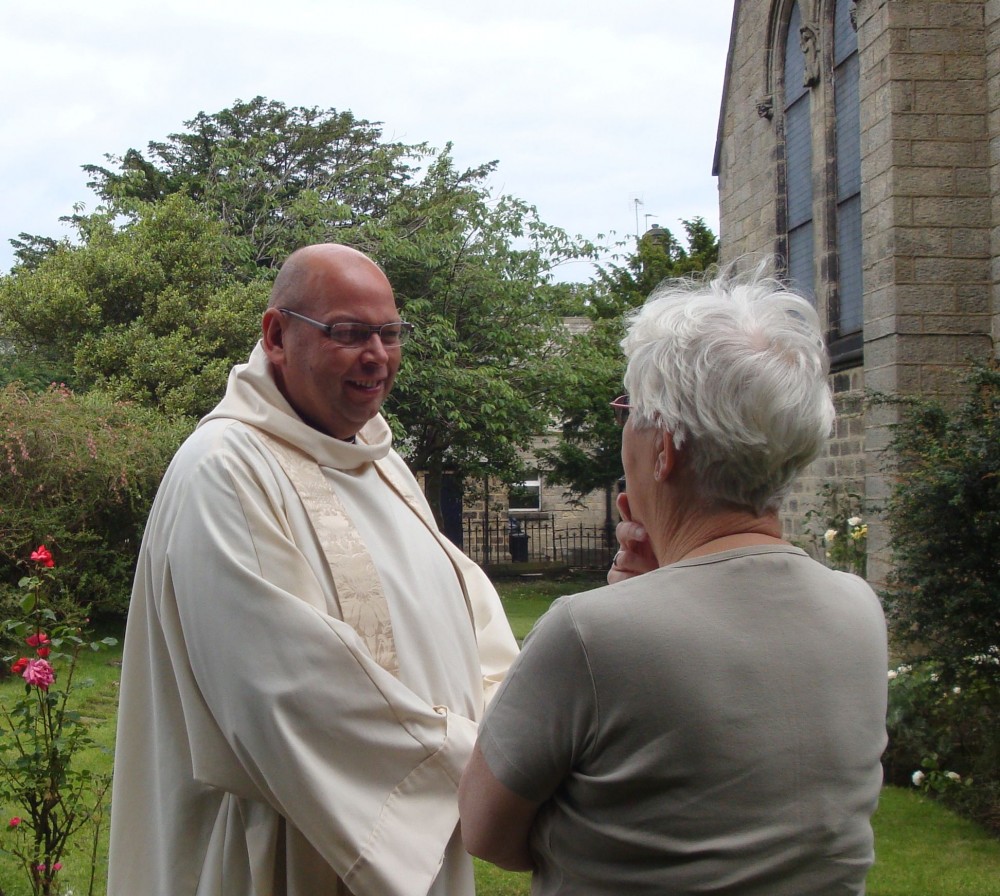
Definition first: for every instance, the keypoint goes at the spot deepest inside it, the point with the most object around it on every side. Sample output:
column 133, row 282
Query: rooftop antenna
column 637, row 202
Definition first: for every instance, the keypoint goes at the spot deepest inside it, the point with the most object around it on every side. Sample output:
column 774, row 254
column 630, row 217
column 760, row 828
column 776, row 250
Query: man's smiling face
column 334, row 388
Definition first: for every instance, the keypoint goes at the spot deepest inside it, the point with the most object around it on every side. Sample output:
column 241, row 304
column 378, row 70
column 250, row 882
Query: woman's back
column 717, row 726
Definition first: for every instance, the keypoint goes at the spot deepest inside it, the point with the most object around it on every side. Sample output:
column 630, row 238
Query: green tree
column 588, row 456
column 164, row 291
column 277, row 177
column 473, row 272
column 942, row 598
column 29, row 249
column 142, row 310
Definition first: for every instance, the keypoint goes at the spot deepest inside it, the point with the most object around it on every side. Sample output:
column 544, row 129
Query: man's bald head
column 312, row 269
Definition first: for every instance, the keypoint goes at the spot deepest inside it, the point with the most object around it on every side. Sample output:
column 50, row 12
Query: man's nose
column 374, row 349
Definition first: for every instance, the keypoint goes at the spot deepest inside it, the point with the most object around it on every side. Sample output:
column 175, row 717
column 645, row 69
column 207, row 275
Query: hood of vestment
column 252, row 397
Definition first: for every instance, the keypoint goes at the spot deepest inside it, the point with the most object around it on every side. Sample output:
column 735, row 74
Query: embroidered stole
column 359, row 592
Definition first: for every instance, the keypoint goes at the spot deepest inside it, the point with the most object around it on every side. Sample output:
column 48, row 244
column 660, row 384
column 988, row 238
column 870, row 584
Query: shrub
column 942, row 597
column 943, row 739
column 838, row 530
column 81, row 472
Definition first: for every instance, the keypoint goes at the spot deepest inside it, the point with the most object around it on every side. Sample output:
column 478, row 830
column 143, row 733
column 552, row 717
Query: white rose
column 918, row 778
column 830, row 535
column 854, row 521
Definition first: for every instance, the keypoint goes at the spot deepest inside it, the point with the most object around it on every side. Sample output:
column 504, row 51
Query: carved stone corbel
column 809, row 43
column 765, row 107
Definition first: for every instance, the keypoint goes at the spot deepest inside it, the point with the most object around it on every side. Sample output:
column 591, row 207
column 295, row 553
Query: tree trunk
column 432, row 492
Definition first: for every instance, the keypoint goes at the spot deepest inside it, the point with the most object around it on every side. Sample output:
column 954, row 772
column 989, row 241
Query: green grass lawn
column 525, row 599
column 921, row 848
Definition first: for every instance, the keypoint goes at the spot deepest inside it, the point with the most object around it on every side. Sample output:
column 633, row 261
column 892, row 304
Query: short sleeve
column 544, row 718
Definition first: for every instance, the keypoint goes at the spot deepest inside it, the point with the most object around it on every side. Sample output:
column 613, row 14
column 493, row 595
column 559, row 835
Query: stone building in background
column 859, row 144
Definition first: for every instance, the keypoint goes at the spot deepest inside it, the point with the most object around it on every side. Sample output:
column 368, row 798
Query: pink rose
column 43, row 556
column 39, row 673
column 14, row 822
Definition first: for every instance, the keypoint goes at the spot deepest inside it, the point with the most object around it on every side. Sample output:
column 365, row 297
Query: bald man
column 306, row 655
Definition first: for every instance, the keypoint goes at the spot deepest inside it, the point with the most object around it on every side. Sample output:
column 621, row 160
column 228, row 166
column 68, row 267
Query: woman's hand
column 636, row 554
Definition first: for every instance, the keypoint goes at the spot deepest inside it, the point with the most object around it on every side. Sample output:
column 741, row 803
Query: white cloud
column 587, row 106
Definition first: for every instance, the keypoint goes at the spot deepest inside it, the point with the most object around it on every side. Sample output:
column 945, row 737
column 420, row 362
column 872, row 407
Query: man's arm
column 496, row 821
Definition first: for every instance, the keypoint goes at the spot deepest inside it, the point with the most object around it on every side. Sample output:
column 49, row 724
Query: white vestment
column 262, row 750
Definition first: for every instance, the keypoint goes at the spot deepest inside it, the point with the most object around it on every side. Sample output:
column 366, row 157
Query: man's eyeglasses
column 354, row 335
column 621, row 407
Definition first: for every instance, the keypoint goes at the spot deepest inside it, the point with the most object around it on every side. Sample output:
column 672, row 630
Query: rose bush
column 52, row 798
column 844, row 542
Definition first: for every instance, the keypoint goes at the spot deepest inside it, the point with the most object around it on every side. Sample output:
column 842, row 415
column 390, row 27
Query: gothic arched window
column 848, row 316
column 798, row 158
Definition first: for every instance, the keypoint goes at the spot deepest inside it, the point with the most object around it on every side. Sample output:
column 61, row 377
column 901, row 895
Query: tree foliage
column 588, row 457
column 143, row 311
column 473, row 272
column 943, row 594
column 79, row 472
column 277, row 177
column 163, row 292
column 942, row 598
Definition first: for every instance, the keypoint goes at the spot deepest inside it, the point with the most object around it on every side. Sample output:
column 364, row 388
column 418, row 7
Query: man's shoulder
column 211, row 436
column 216, row 445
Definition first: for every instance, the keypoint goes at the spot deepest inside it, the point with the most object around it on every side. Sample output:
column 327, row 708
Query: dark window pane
column 800, row 260
column 849, row 254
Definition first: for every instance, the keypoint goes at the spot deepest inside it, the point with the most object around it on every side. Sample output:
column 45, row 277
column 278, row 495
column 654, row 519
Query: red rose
column 43, row 556
column 39, row 640
column 19, row 665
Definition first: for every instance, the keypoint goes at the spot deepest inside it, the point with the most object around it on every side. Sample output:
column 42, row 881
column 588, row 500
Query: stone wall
column 991, row 25
column 929, row 90
column 927, row 209
column 746, row 154
column 843, row 462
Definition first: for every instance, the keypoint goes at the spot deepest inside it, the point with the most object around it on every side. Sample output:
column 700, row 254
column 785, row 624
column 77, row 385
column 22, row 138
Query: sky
column 602, row 115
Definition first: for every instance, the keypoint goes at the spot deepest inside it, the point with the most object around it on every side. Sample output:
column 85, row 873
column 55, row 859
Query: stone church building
column 859, row 146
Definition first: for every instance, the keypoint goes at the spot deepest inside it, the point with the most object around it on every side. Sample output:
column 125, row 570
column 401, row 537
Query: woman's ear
column 666, row 456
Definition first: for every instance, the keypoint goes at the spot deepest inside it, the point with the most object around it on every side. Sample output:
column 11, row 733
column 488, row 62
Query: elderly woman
column 714, row 724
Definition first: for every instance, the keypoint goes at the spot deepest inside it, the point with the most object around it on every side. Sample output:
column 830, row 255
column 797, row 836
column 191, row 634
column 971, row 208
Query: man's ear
column 273, row 336
column 666, row 455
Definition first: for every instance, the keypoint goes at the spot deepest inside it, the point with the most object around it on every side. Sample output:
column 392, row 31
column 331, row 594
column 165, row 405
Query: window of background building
column 525, row 495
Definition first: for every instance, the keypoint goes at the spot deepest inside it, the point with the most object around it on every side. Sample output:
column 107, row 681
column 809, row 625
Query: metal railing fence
column 504, row 539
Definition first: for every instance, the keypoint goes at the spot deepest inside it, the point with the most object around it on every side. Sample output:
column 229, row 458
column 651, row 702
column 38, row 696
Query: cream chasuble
column 266, row 746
